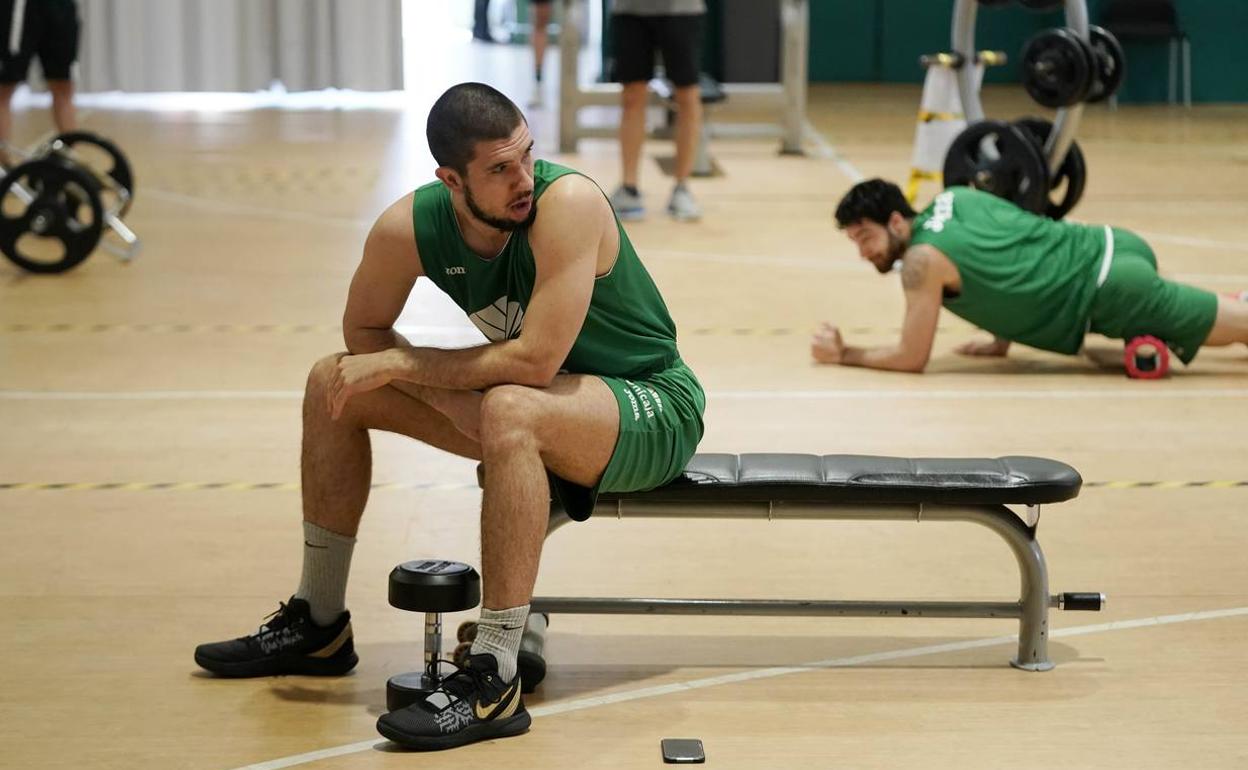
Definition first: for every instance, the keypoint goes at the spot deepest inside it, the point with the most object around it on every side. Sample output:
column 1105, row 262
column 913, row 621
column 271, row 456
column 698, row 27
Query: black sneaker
column 472, row 704
column 288, row 643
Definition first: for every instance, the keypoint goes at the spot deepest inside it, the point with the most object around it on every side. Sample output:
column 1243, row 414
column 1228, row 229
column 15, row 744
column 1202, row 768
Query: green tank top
column 628, row 331
column 1024, row 278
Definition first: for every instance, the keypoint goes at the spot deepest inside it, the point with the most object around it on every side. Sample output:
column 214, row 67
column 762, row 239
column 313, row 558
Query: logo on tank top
column 499, row 321
column 942, row 212
column 456, row 271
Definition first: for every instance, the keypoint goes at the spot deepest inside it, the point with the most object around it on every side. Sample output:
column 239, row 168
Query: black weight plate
column 104, row 157
column 1109, row 64
column 60, row 226
column 994, row 156
column 1073, row 173
column 1057, row 68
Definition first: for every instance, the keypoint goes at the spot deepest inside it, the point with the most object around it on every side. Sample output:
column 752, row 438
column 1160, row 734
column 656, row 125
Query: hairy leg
column 570, row 428
column 337, row 456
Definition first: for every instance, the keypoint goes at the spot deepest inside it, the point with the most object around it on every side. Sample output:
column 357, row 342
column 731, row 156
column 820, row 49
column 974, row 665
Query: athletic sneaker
column 682, row 206
column 472, row 704
column 287, row 643
column 628, row 205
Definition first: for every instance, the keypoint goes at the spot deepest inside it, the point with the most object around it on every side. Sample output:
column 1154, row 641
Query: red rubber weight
column 1146, row 358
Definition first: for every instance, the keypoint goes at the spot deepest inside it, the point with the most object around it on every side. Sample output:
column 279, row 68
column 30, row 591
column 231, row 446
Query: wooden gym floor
column 184, row 369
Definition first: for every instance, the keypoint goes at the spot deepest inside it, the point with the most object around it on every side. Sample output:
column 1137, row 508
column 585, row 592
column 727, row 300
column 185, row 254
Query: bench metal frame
column 1031, row 609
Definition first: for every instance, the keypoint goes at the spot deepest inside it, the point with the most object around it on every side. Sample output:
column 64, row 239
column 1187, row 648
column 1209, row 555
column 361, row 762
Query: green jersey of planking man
column 1021, row 277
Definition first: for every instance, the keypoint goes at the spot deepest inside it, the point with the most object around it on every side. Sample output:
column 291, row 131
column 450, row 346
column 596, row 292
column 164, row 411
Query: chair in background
column 1152, row 21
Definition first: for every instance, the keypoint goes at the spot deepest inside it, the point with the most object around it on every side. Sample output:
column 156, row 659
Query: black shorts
column 49, row 31
column 635, row 39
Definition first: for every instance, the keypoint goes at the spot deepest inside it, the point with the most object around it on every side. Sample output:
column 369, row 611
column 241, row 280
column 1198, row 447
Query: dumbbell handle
column 433, row 643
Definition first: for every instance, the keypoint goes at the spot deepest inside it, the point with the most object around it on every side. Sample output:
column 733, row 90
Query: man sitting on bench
column 1022, row 277
column 580, row 376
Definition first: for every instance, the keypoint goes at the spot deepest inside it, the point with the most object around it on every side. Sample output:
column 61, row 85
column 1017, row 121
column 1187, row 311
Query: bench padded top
column 856, row 479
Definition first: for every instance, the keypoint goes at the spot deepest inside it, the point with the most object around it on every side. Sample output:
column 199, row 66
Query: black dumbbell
column 433, row 587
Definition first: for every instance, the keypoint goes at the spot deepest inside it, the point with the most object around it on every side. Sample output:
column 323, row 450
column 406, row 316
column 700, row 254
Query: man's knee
column 509, row 416
column 322, row 374
column 635, row 95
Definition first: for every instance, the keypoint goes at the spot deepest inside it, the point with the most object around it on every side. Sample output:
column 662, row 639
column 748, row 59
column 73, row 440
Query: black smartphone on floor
column 682, row 751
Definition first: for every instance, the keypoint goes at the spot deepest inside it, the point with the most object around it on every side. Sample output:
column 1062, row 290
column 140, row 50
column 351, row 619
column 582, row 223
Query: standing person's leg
column 633, row 48
column 57, row 29
column 541, row 11
column 688, row 129
column 682, row 54
column 64, row 114
column 6, row 123
column 13, row 68
column 481, row 21
column 632, row 131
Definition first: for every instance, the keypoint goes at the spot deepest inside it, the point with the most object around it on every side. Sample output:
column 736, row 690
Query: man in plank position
column 580, row 378
column 1022, row 277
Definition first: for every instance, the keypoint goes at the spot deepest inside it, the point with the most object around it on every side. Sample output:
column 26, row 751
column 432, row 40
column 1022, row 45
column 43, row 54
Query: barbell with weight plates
column 1058, row 67
column 51, row 214
column 106, row 160
column 1071, row 176
column 1109, row 63
column 996, row 157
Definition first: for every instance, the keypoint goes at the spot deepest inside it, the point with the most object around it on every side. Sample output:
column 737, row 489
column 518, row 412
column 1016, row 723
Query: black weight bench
column 855, row 487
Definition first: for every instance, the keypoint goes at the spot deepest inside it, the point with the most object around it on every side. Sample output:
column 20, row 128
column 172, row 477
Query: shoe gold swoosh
column 504, row 707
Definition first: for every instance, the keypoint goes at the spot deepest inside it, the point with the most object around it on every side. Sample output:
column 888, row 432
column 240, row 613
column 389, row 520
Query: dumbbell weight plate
column 105, row 159
column 996, row 157
column 51, row 215
column 1071, row 176
column 1109, row 64
column 1058, row 68
column 433, row 585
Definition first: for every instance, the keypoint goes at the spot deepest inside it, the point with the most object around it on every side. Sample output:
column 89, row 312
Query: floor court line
column 1142, row 393
column 581, row 704
column 825, row 149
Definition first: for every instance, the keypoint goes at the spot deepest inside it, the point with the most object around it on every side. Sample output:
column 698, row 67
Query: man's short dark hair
column 874, row 200
column 466, row 114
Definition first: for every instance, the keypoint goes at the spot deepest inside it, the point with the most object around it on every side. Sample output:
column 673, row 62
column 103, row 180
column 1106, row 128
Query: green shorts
column 660, row 427
column 1135, row 300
